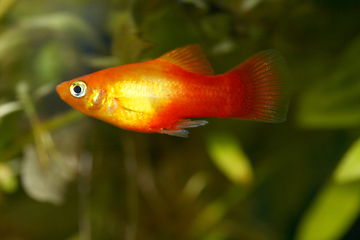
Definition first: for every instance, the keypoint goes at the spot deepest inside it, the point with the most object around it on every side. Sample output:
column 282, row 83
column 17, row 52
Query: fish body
column 161, row 95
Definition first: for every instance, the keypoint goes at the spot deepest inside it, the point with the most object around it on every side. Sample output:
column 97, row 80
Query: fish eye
column 78, row 89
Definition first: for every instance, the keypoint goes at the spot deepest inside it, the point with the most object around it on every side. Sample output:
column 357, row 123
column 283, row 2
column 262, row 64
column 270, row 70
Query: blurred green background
column 67, row 176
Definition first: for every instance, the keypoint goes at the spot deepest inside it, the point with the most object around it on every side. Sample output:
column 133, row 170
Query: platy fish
column 161, row 95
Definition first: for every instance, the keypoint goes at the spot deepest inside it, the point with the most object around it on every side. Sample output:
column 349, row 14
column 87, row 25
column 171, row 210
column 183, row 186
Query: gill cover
column 96, row 99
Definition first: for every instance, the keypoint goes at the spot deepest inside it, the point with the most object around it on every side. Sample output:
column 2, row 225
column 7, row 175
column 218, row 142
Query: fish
column 163, row 95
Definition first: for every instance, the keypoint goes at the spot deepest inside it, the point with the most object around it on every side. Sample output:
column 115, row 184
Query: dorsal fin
column 190, row 58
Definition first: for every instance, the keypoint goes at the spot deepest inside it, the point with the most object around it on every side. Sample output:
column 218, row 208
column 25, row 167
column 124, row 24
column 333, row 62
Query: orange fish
column 161, row 95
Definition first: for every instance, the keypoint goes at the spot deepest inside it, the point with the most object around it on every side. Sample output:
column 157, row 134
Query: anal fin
column 178, row 128
column 178, row 133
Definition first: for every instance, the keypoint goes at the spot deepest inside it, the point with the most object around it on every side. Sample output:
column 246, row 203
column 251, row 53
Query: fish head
column 83, row 93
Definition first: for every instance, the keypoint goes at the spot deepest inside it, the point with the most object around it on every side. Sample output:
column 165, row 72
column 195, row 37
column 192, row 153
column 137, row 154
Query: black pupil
column 77, row 89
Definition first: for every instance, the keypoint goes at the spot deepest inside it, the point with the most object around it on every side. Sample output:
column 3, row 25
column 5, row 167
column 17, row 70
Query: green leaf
column 8, row 180
column 40, row 137
column 215, row 212
column 48, row 64
column 228, row 156
column 193, row 187
column 127, row 44
column 60, row 23
column 348, row 169
column 46, row 182
column 165, row 24
column 332, row 212
column 334, row 102
column 42, row 28
column 210, row 215
column 8, row 108
column 5, row 5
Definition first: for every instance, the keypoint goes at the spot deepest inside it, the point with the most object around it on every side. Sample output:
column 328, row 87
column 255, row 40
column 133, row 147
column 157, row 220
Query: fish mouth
column 60, row 90
column 63, row 87
column 63, row 90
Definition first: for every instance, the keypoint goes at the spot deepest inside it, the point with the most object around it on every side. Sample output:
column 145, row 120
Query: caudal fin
column 264, row 83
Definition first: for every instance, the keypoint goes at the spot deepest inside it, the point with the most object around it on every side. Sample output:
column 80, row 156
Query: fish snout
column 63, row 90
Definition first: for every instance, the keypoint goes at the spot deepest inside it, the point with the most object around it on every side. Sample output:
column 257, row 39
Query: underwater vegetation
column 64, row 175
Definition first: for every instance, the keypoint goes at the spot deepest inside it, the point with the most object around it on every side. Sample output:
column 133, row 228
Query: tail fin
column 265, row 85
